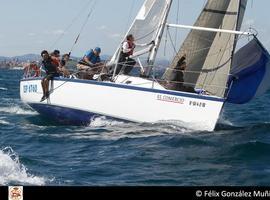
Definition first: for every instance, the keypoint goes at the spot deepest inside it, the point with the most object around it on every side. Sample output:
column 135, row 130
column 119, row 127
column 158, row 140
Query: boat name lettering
column 197, row 104
column 171, row 99
column 30, row 88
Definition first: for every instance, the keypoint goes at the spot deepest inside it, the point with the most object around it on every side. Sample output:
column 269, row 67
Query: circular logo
column 198, row 193
column 15, row 193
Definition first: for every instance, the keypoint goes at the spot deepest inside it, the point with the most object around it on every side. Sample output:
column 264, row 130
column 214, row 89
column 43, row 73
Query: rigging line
column 83, row 26
column 72, row 22
column 174, row 48
column 147, row 34
column 218, row 61
column 177, row 20
column 166, row 41
column 61, row 85
column 130, row 14
column 206, row 48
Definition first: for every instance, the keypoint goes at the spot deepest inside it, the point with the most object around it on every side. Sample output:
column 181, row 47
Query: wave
column 223, row 120
column 16, row 68
column 2, row 88
column 259, row 126
column 252, row 149
column 102, row 128
column 12, row 171
column 110, row 136
column 183, row 127
column 3, row 122
column 107, row 131
column 225, row 124
column 179, row 126
column 17, row 110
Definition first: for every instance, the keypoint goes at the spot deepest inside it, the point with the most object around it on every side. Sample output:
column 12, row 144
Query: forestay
column 209, row 54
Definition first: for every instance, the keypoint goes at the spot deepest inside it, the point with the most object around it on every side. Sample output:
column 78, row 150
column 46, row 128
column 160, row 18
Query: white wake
column 103, row 121
column 17, row 110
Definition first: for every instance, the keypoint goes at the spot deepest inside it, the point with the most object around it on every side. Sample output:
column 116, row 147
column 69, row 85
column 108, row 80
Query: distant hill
column 26, row 57
column 35, row 57
column 2, row 58
column 160, row 64
column 23, row 58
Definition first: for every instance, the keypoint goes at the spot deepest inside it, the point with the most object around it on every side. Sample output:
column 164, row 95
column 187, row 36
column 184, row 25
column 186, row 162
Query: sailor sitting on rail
column 90, row 64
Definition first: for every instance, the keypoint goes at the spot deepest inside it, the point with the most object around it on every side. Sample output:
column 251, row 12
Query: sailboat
column 215, row 73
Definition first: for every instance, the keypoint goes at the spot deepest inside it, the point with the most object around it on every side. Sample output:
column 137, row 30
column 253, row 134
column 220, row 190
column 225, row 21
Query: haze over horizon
column 35, row 25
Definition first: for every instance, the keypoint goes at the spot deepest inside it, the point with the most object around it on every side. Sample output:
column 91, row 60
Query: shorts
column 51, row 76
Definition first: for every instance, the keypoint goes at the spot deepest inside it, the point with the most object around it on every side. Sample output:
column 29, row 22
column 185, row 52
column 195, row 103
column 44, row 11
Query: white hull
column 79, row 100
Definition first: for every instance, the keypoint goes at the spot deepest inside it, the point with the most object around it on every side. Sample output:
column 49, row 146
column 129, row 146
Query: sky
column 29, row 26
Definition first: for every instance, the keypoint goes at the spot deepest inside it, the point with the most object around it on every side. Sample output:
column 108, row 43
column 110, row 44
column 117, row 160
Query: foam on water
column 119, row 131
column 1, row 88
column 12, row 171
column 180, row 126
column 113, row 135
column 115, row 130
column 16, row 68
column 222, row 119
column 17, row 110
column 185, row 127
column 103, row 121
column 3, row 122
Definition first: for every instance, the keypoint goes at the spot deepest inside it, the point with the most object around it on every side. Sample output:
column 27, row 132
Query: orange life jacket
column 36, row 69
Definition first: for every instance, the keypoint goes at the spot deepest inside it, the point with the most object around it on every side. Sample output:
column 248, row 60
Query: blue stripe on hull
column 64, row 115
column 136, row 88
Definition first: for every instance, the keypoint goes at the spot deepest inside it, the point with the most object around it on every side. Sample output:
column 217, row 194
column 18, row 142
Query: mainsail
column 147, row 26
column 209, row 54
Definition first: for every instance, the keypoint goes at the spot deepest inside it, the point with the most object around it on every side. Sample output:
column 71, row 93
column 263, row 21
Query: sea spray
column 12, row 171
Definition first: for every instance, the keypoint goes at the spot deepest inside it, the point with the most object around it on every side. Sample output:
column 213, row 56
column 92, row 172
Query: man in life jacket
column 51, row 67
column 31, row 70
column 56, row 54
column 125, row 62
column 63, row 62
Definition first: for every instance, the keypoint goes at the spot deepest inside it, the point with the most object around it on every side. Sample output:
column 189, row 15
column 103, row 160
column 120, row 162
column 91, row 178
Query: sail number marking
column 197, row 104
column 30, row 88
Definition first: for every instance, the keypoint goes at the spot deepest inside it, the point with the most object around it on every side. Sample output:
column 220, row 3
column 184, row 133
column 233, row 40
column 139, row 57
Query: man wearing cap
column 90, row 64
column 91, row 58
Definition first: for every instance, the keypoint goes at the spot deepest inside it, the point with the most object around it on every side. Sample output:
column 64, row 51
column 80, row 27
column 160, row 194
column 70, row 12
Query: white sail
column 146, row 26
column 209, row 54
